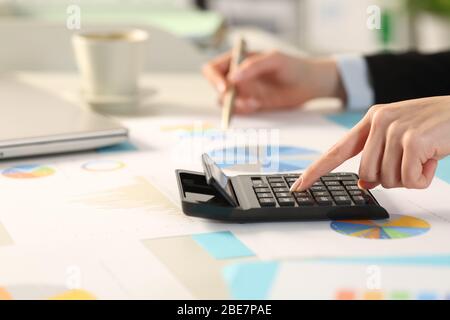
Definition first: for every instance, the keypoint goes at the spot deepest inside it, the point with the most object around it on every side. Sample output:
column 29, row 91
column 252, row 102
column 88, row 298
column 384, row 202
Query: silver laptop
column 34, row 122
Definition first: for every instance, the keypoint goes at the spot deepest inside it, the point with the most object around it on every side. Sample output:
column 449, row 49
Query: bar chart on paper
column 197, row 260
column 137, row 193
column 43, row 292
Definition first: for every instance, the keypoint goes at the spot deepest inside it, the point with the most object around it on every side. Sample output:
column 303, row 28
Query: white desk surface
column 57, row 242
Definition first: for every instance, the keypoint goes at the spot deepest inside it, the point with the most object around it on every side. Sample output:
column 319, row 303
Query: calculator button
column 264, row 195
column 359, row 200
column 291, row 179
column 286, row 202
column 300, row 194
column 353, row 188
column 314, row 189
column 356, row 193
column 275, row 179
column 262, row 190
column 259, row 184
column 305, row 201
column 332, row 183
column 321, row 194
column 278, row 185
column 338, row 178
column 336, row 188
column 267, row 202
column 342, row 200
column 350, row 183
column 280, row 189
column 338, row 193
column 318, row 184
column 283, row 195
column 296, row 176
column 324, row 201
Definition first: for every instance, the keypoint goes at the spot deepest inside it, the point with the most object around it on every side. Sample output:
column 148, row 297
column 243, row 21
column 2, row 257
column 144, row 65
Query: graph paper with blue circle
column 264, row 159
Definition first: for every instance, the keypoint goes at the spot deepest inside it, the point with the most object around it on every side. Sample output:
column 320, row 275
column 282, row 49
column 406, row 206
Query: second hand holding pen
column 237, row 56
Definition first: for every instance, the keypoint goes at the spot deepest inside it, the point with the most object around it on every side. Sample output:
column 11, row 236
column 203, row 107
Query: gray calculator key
column 286, row 202
column 291, row 179
column 283, row 195
column 264, row 195
column 321, row 194
column 259, row 184
column 342, row 200
column 280, row 189
column 356, row 193
column 338, row 178
column 350, row 183
column 336, row 188
column 267, row 202
column 278, row 184
column 353, row 188
column 300, row 194
column 305, row 201
column 319, row 188
column 359, row 200
column 332, row 183
column 338, row 193
column 324, row 201
column 262, row 190
column 318, row 184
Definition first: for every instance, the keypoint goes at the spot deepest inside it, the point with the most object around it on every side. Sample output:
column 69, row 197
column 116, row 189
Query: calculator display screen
column 216, row 178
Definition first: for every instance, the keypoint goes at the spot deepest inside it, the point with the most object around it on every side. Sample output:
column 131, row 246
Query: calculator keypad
column 333, row 189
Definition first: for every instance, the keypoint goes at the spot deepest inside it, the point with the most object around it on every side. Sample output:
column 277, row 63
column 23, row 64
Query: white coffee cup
column 110, row 64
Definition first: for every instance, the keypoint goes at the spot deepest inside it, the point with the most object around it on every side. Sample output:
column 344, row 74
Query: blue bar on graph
column 427, row 296
column 121, row 147
column 251, row 281
column 222, row 245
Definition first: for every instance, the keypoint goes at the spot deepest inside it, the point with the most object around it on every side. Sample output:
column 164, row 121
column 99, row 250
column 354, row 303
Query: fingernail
column 360, row 184
column 296, row 184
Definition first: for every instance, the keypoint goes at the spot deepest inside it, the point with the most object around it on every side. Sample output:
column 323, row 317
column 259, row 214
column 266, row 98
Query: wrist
column 327, row 79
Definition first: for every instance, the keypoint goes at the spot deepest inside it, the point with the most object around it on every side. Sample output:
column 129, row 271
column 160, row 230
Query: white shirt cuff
column 355, row 76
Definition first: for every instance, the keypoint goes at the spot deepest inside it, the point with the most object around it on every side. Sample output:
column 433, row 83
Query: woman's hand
column 271, row 81
column 401, row 144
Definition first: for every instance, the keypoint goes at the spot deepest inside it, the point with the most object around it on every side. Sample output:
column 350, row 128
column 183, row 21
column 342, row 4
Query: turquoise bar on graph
column 222, row 245
column 121, row 147
column 428, row 260
column 251, row 281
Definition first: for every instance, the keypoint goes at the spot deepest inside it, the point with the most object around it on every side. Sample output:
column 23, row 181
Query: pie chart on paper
column 267, row 159
column 397, row 227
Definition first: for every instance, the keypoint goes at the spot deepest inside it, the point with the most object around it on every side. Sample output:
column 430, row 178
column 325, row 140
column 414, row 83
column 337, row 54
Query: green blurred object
column 386, row 28
column 440, row 7
column 202, row 27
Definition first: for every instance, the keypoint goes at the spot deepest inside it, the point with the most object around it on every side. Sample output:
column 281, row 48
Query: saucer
column 121, row 104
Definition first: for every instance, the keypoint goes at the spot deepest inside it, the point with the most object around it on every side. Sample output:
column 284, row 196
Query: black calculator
column 247, row 198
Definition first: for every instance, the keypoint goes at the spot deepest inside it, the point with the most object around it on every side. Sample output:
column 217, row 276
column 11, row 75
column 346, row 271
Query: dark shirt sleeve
column 411, row 75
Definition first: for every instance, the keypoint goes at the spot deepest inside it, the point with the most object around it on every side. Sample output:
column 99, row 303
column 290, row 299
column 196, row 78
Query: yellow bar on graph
column 75, row 294
column 5, row 295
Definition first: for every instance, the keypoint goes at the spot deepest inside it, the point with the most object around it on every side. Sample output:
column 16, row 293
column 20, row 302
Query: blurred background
column 313, row 26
